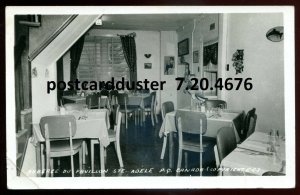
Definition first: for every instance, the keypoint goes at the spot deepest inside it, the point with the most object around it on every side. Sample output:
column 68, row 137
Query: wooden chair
column 193, row 125
column 125, row 109
column 150, row 107
column 114, row 136
column 92, row 101
column 58, row 132
column 103, row 99
column 113, row 94
column 250, row 122
column 226, row 143
column 215, row 104
column 166, row 108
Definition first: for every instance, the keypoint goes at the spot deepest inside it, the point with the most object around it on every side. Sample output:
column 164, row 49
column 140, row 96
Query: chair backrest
column 252, row 125
column 104, row 92
column 272, row 173
column 122, row 98
column 215, row 103
column 113, row 96
column 58, row 126
column 92, row 101
column 166, row 108
column 191, row 122
column 249, row 115
column 114, row 115
column 73, row 106
column 226, row 142
column 153, row 99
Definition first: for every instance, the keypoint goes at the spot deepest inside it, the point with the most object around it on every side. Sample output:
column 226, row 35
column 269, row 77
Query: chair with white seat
column 150, row 107
column 125, row 109
column 58, row 132
column 226, row 143
column 103, row 99
column 191, row 125
column 114, row 136
column 165, row 108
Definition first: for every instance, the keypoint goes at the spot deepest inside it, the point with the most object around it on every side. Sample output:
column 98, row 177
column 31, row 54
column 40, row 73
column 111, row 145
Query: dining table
column 215, row 120
column 74, row 99
column 258, row 154
column 91, row 124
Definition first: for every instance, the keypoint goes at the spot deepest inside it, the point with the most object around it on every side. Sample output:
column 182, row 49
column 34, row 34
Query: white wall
column 263, row 61
column 168, row 45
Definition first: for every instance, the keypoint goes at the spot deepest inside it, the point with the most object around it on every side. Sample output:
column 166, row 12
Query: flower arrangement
column 237, row 59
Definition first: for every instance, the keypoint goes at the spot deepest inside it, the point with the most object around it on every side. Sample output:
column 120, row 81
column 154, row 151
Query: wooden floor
column 141, row 149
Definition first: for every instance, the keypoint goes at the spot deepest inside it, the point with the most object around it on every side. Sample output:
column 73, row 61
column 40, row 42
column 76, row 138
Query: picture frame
column 148, row 65
column 183, row 47
column 196, row 56
column 169, row 65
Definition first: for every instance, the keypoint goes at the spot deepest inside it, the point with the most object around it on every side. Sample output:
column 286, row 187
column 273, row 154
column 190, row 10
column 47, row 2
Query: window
column 210, row 67
column 102, row 58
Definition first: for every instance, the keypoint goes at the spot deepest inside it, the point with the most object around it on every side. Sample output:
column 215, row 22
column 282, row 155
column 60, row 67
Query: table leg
column 38, row 159
column 171, row 148
column 102, row 168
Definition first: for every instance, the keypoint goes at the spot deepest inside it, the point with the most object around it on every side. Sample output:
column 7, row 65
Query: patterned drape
column 19, row 91
column 129, row 49
column 75, row 53
column 210, row 54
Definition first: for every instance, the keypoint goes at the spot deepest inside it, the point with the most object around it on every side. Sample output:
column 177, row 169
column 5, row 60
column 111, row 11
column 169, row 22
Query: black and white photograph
column 175, row 97
column 169, row 65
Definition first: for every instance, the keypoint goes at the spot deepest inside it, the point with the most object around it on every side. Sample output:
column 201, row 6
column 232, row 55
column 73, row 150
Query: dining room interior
column 221, row 111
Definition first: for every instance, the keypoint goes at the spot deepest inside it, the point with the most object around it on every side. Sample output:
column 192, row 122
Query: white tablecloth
column 95, row 126
column 214, row 123
column 252, row 157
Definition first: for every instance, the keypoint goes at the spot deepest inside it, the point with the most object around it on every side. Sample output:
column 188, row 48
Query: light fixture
column 275, row 34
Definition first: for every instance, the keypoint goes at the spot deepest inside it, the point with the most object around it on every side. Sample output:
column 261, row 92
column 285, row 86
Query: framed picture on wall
column 196, row 56
column 183, row 47
column 169, row 65
column 147, row 65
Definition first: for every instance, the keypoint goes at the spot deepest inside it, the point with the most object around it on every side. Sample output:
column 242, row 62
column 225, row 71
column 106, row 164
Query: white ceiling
column 159, row 22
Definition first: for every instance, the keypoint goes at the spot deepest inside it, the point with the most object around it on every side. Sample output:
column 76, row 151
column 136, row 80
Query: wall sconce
column 147, row 55
column 275, row 34
column 34, row 72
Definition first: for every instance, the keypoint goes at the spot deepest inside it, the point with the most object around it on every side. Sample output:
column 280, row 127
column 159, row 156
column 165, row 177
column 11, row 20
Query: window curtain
column 129, row 50
column 19, row 91
column 210, row 54
column 60, row 77
column 75, row 53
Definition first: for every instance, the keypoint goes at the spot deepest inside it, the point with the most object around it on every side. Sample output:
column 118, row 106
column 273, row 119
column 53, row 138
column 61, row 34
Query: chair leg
column 80, row 156
column 118, row 149
column 179, row 161
column 126, row 116
column 200, row 163
column 186, row 160
column 162, row 155
column 84, row 149
column 72, row 165
column 102, row 165
column 152, row 117
column 51, row 166
column 92, row 155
